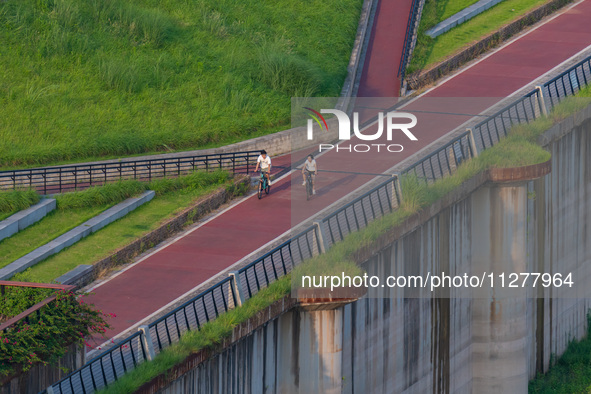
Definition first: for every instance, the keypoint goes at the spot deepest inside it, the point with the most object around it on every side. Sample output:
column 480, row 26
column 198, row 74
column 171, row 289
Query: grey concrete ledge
column 461, row 17
column 75, row 274
column 26, row 217
column 75, row 235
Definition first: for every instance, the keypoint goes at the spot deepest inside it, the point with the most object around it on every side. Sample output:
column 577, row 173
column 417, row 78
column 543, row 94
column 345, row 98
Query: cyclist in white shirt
column 310, row 166
column 264, row 161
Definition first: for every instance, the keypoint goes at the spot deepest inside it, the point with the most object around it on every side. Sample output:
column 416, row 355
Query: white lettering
column 401, row 126
column 304, row 281
column 365, row 137
column 344, row 122
column 397, row 146
column 357, row 148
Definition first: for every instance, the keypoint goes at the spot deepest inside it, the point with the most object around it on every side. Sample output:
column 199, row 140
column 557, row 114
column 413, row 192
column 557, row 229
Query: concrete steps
column 26, row 217
column 75, row 235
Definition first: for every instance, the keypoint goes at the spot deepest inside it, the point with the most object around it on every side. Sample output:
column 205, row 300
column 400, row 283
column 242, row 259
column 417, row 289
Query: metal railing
column 34, row 310
column 533, row 105
column 411, row 27
column 443, row 161
column 355, row 215
column 205, row 307
column 491, row 130
column 567, row 83
column 48, row 180
column 104, row 369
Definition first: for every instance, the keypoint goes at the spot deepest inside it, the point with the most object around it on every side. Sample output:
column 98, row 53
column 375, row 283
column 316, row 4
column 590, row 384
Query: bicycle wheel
column 267, row 189
column 308, row 188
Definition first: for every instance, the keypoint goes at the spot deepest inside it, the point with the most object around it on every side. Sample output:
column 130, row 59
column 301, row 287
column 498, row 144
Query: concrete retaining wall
column 40, row 376
column 484, row 342
column 25, row 218
column 74, row 235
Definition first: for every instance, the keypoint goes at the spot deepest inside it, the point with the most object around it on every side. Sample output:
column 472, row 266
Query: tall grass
column 194, row 181
column 572, row 371
column 288, row 73
column 113, row 193
column 143, row 25
column 13, row 201
column 106, row 78
column 110, row 193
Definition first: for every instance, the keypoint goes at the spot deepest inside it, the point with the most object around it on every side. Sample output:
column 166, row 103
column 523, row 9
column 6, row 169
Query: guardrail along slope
column 377, row 202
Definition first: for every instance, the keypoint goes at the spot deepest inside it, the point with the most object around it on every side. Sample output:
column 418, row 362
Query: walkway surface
column 380, row 69
column 179, row 267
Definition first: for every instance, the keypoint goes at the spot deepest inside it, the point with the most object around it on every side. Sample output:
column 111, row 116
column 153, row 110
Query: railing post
column 321, row 237
column 146, row 339
column 396, row 190
column 237, row 286
column 542, row 100
column 472, row 142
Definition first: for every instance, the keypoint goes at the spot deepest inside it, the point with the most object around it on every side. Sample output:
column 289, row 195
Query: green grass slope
column 429, row 51
column 88, row 79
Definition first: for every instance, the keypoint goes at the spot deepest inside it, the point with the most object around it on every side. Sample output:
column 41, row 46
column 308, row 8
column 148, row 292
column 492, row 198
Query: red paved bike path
column 193, row 259
column 380, row 73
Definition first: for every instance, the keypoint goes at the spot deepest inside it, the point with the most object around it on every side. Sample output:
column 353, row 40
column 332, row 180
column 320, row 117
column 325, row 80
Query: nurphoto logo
column 394, row 122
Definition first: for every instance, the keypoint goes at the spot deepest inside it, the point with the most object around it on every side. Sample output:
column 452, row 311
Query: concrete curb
column 519, row 174
column 26, row 217
column 74, row 235
column 464, row 15
column 75, row 275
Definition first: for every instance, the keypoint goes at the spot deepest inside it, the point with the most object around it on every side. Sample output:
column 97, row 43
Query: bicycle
column 309, row 185
column 263, row 185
